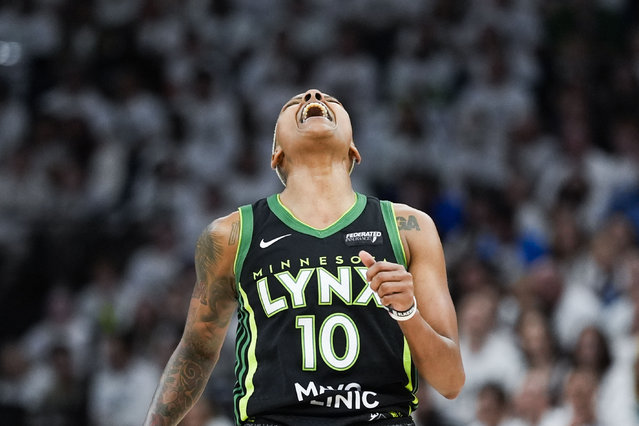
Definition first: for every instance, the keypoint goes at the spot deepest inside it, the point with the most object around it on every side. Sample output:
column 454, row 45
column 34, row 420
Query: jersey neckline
column 289, row 219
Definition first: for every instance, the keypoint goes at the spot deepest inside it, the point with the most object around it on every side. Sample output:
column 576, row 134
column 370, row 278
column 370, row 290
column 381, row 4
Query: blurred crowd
column 126, row 126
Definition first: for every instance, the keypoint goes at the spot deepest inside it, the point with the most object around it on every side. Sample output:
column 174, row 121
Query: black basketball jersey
column 314, row 344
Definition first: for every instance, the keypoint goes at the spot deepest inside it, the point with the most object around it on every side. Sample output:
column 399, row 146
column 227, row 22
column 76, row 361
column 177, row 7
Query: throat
column 318, row 211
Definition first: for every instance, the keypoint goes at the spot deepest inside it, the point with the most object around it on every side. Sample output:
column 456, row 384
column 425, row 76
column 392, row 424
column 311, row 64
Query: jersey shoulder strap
column 246, row 235
column 390, row 221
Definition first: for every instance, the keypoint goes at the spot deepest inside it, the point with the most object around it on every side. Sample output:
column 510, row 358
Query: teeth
column 312, row 105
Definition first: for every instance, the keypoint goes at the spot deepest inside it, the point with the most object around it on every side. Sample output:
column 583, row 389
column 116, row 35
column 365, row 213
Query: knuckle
column 381, row 290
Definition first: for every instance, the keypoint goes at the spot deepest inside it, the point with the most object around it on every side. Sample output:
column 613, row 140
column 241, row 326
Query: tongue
column 314, row 112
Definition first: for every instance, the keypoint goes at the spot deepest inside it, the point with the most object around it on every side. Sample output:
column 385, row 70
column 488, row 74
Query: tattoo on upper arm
column 235, row 233
column 208, row 251
column 199, row 292
column 407, row 224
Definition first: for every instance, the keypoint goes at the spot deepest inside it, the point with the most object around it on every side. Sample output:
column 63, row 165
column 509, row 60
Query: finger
column 375, row 280
column 386, row 288
column 367, row 259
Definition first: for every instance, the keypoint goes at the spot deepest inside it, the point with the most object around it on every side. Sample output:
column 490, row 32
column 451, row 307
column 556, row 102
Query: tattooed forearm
column 183, row 381
column 407, row 224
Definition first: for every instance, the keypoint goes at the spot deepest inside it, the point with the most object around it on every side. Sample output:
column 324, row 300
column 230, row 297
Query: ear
column 277, row 157
column 353, row 153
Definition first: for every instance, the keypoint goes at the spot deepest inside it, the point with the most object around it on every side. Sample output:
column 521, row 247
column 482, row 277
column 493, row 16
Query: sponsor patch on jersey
column 363, row 238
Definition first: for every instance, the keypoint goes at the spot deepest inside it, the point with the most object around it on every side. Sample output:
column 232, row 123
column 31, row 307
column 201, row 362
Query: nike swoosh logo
column 265, row 244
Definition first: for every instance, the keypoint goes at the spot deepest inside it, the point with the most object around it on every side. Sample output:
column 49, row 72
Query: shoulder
column 417, row 230
column 217, row 243
column 225, row 225
column 410, row 218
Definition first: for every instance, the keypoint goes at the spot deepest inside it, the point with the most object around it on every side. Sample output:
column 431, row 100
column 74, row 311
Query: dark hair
column 604, row 358
column 497, row 390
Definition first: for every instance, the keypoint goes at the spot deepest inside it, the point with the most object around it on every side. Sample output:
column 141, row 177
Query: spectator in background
column 116, row 13
column 13, row 120
column 541, row 352
column 533, row 400
column 487, row 111
column 598, row 268
column 204, row 413
column 623, row 314
column 578, row 405
column 16, row 392
column 349, row 71
column 581, row 159
column 473, row 275
column 488, row 351
column 273, row 71
column 76, row 96
column 153, row 267
column 100, row 302
column 212, row 140
column 61, row 326
column 428, row 413
column 567, row 236
column 139, row 114
column 63, row 399
column 569, row 308
column 122, row 385
column 160, row 31
column 592, row 352
column 493, row 407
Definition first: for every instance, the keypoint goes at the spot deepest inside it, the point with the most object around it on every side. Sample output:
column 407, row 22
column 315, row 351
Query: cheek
column 285, row 126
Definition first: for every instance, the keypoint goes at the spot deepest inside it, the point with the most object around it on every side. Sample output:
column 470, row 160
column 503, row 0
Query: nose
column 313, row 95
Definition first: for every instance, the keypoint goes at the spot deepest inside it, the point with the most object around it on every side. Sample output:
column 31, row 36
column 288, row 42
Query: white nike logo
column 264, row 244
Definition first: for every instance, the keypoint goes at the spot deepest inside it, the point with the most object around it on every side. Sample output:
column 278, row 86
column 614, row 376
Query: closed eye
column 331, row 99
column 294, row 101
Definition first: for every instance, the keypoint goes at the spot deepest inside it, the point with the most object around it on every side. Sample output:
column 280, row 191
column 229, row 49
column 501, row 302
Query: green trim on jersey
column 286, row 216
column 246, row 235
column 250, row 360
column 400, row 255
column 393, row 231
column 247, row 329
column 411, row 374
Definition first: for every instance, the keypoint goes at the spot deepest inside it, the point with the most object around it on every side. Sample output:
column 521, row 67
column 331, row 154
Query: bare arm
column 432, row 333
column 212, row 305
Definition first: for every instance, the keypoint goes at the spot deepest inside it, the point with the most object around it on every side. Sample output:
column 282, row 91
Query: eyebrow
column 298, row 98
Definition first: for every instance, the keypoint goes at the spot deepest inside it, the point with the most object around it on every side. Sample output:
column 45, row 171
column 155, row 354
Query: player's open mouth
column 315, row 109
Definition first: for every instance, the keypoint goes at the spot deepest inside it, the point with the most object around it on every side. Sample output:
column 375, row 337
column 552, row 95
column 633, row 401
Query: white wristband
column 403, row 315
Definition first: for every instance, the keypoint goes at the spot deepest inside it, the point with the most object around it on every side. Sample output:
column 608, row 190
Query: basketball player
column 342, row 299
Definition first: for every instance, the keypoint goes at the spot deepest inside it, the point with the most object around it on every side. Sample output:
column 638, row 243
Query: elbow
column 452, row 394
column 454, row 386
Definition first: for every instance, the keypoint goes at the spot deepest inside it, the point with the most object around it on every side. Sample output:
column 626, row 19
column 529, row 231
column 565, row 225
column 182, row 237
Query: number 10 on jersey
column 310, row 337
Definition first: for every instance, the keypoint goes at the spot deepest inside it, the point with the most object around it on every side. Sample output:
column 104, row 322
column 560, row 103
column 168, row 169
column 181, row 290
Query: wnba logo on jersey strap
column 363, row 238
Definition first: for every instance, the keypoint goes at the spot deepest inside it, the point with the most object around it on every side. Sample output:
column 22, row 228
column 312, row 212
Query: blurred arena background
column 126, row 126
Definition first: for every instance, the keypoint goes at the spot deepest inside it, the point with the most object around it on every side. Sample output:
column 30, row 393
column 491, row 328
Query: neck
column 318, row 197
